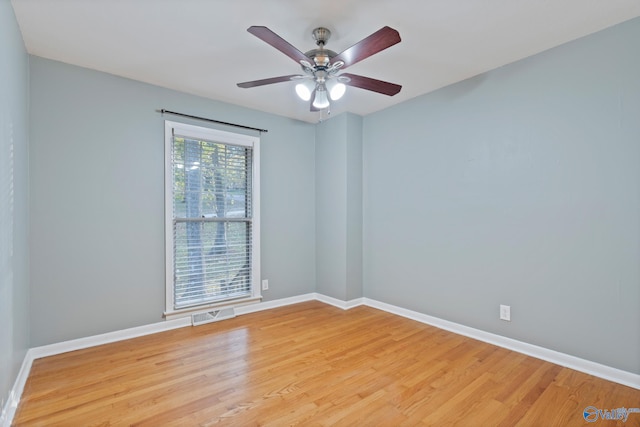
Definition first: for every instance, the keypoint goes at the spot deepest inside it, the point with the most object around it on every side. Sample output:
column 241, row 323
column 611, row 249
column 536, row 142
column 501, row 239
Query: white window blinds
column 212, row 224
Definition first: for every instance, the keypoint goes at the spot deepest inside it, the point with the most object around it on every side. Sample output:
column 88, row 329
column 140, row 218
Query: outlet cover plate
column 505, row 312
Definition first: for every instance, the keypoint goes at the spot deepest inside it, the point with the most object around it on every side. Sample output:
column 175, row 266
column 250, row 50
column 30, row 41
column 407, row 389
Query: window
column 212, row 218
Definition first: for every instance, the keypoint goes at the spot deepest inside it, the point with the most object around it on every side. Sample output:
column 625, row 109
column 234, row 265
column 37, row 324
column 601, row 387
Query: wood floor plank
column 310, row 364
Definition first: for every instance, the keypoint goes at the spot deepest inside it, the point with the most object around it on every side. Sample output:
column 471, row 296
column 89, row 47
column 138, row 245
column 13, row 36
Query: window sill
column 185, row 312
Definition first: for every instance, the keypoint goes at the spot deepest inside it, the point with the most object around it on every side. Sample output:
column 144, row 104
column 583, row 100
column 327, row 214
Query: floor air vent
column 212, row 316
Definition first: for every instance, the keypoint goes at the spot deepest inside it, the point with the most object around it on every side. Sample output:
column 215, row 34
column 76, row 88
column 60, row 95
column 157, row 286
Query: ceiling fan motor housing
column 320, row 57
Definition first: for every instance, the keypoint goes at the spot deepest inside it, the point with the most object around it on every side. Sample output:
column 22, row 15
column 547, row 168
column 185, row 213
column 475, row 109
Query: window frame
column 224, row 137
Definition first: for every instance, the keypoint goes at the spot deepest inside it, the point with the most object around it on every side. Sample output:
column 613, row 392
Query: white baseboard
column 109, row 337
column 77, row 344
column 562, row 359
column 572, row 362
column 268, row 305
column 10, row 407
column 345, row 305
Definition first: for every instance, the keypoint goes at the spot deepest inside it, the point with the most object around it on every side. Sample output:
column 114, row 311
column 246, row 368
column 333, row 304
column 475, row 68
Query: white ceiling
column 202, row 47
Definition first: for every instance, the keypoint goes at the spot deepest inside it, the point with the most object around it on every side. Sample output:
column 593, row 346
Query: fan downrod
column 320, row 56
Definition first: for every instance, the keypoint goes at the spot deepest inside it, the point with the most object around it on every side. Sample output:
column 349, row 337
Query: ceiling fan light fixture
column 336, row 89
column 304, row 90
column 321, row 101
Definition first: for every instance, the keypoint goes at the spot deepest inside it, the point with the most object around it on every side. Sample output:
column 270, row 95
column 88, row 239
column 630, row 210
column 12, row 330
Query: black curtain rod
column 163, row 111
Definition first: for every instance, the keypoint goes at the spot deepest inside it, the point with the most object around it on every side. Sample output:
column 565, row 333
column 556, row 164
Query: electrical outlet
column 265, row 285
column 505, row 312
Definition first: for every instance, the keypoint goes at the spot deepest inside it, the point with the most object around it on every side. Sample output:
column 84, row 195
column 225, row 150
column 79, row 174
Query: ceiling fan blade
column 380, row 40
column 268, row 81
column 374, row 85
column 269, row 37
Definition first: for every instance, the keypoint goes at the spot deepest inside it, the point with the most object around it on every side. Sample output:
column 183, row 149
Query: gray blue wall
column 97, row 200
column 14, row 167
column 331, row 201
column 354, row 206
column 520, row 186
column 339, row 207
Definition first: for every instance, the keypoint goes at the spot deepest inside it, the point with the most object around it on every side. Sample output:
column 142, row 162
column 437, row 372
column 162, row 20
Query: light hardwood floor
column 311, row 364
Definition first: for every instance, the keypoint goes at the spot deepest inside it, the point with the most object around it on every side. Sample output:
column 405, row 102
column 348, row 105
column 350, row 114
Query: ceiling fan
column 321, row 81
